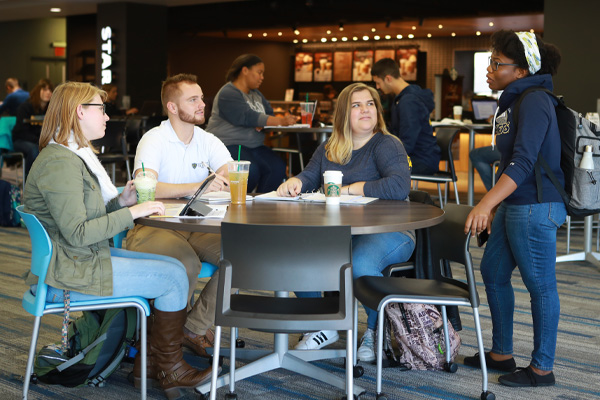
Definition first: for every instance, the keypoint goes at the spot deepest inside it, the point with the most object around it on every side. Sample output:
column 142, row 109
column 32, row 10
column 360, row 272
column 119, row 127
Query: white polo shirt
column 161, row 150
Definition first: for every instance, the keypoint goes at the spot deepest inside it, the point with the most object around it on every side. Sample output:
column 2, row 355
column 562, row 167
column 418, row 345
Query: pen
column 210, row 169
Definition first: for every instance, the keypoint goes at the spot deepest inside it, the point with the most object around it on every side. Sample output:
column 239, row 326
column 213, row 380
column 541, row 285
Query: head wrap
column 532, row 51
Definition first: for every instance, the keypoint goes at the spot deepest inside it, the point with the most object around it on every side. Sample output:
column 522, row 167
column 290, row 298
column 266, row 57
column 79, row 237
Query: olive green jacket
column 65, row 196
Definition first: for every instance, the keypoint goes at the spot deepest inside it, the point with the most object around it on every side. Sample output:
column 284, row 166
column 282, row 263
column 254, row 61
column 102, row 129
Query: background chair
column 273, row 259
column 449, row 243
column 36, row 305
column 6, row 145
column 444, row 137
column 289, row 150
column 113, row 146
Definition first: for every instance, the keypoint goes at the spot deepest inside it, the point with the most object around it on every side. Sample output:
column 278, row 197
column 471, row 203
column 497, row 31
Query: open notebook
column 315, row 198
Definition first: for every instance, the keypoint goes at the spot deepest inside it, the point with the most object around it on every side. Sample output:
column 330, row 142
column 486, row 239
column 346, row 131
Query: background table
column 321, row 131
column 377, row 217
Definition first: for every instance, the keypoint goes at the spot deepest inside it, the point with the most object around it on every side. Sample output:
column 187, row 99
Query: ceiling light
column 376, row 37
column 440, row 26
column 453, row 34
column 279, row 33
column 414, row 28
column 429, row 35
column 398, row 36
column 265, row 34
column 531, row 30
column 491, row 23
column 373, row 29
column 478, row 33
column 328, row 32
column 344, row 39
column 365, row 37
column 355, row 38
column 341, row 26
column 55, row 10
column 388, row 37
column 296, row 32
column 249, row 35
column 304, row 40
column 410, row 36
column 323, row 39
column 334, row 39
column 295, row 40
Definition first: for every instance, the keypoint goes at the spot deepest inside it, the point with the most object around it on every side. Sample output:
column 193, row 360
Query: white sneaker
column 366, row 351
column 317, row 340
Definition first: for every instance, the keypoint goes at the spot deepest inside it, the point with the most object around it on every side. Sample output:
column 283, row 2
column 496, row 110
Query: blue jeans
column 267, row 169
column 524, row 236
column 482, row 159
column 140, row 274
column 370, row 255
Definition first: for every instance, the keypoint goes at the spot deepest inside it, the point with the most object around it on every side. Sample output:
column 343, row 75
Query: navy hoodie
column 411, row 123
column 537, row 132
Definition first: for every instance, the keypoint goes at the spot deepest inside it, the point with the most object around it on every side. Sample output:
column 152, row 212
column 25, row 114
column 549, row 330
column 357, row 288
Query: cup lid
column 333, row 173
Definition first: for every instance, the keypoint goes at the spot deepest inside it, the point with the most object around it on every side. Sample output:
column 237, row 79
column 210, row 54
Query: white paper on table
column 316, row 198
column 173, row 210
column 273, row 196
column 219, row 197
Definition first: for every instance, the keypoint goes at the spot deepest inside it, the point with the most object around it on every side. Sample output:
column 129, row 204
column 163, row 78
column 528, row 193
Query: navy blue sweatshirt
column 411, row 123
column 537, row 132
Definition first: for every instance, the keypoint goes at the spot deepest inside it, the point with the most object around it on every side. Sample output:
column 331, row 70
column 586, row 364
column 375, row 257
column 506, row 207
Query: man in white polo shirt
column 179, row 153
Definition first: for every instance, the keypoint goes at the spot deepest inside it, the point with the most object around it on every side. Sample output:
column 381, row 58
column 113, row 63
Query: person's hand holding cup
column 145, row 186
column 332, row 184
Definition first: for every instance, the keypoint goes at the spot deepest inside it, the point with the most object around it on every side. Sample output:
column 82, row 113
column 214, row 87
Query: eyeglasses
column 496, row 64
column 103, row 105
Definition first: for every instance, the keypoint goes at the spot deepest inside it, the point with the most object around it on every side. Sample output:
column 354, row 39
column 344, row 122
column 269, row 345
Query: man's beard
column 191, row 118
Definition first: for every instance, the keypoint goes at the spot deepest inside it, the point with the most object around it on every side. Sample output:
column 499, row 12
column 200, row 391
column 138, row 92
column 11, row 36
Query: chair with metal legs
column 449, row 243
column 36, row 305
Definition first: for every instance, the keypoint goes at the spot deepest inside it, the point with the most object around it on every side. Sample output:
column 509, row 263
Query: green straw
column 143, row 170
column 307, row 97
column 239, row 151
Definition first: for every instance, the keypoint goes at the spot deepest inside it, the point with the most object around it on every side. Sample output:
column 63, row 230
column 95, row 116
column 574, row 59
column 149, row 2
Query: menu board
column 323, row 67
column 363, row 61
column 342, row 66
column 379, row 54
column 303, row 67
column 407, row 58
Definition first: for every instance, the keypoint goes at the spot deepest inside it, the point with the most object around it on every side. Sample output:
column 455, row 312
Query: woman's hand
column 288, row 120
column 290, row 188
column 480, row 219
column 147, row 208
column 128, row 197
column 218, row 184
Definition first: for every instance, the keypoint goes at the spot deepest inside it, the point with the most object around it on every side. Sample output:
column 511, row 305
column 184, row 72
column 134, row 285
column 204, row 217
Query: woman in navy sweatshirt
column 523, row 232
column 374, row 164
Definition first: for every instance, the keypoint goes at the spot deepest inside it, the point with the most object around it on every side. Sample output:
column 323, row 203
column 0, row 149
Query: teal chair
column 6, row 144
column 36, row 305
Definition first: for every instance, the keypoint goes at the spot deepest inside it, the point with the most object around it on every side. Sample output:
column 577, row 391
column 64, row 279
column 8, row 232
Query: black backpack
column 10, row 199
column 98, row 341
column 581, row 193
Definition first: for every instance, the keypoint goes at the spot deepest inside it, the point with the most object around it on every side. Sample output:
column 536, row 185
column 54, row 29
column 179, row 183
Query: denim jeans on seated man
column 483, row 159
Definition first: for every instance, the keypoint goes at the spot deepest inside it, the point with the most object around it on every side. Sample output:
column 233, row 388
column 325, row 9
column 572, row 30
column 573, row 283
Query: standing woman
column 71, row 194
column 523, row 232
column 239, row 113
column 373, row 163
column 26, row 133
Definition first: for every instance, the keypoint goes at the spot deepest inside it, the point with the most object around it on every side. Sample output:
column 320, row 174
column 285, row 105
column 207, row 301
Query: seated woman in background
column 239, row 113
column 112, row 109
column 26, row 133
column 71, row 194
column 374, row 163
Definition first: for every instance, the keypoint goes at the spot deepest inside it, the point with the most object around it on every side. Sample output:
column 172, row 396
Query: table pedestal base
column 587, row 254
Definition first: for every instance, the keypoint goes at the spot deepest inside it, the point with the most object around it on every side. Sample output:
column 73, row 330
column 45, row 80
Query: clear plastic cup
column 238, row 180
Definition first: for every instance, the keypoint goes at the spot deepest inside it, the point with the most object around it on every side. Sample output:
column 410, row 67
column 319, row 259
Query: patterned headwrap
column 532, row 51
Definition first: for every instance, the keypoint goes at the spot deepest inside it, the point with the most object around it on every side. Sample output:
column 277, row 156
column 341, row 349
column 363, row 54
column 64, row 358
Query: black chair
column 272, row 258
column 449, row 243
column 113, row 146
column 444, row 137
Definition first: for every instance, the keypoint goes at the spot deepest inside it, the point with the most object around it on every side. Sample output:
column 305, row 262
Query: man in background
column 15, row 97
column 410, row 110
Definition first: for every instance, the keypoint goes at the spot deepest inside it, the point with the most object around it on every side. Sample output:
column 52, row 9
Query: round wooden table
column 377, row 217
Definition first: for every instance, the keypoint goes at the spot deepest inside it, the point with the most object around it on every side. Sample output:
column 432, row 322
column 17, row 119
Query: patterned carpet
column 577, row 366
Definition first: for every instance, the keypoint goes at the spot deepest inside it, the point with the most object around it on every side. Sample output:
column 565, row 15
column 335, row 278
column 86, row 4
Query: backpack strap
column 82, row 353
column 540, row 160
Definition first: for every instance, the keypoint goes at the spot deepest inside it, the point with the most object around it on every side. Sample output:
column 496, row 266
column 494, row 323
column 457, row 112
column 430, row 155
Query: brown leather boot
column 166, row 344
column 198, row 343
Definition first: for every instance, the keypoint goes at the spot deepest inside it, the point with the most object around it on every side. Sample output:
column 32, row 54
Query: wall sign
column 106, row 51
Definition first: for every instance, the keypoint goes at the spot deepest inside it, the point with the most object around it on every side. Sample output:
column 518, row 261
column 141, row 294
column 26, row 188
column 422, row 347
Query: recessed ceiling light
column 334, row 39
column 414, row 28
column 491, row 23
column 328, row 32
column 296, row 32
column 478, row 33
column 344, row 39
column 279, row 33
column 265, row 34
column 295, row 40
column 365, row 37
column 55, row 10
column 355, row 38
column 429, row 35
column 373, row 29
column 376, row 37
column 410, row 36
column 388, row 37
column 440, row 26
column 453, row 34
column 398, row 36
column 304, row 40
column 323, row 40
column 249, row 35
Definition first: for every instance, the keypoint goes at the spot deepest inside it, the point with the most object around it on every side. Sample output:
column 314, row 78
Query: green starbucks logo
column 333, row 190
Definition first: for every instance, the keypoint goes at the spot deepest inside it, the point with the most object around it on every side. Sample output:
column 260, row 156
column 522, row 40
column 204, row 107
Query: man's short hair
column 385, row 67
column 12, row 83
column 170, row 87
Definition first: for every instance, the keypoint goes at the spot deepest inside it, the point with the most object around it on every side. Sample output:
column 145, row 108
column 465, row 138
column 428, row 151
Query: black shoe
column 506, row 365
column 525, row 377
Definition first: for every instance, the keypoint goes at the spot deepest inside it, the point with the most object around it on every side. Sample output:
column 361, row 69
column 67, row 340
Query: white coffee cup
column 457, row 110
column 332, row 185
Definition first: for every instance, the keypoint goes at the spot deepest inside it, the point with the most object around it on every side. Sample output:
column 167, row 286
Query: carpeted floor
column 577, row 365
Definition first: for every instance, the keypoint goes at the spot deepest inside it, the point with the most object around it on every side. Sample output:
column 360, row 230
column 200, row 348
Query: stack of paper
column 219, row 197
column 316, row 198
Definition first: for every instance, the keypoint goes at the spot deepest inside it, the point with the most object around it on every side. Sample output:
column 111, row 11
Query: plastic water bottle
column 587, row 161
